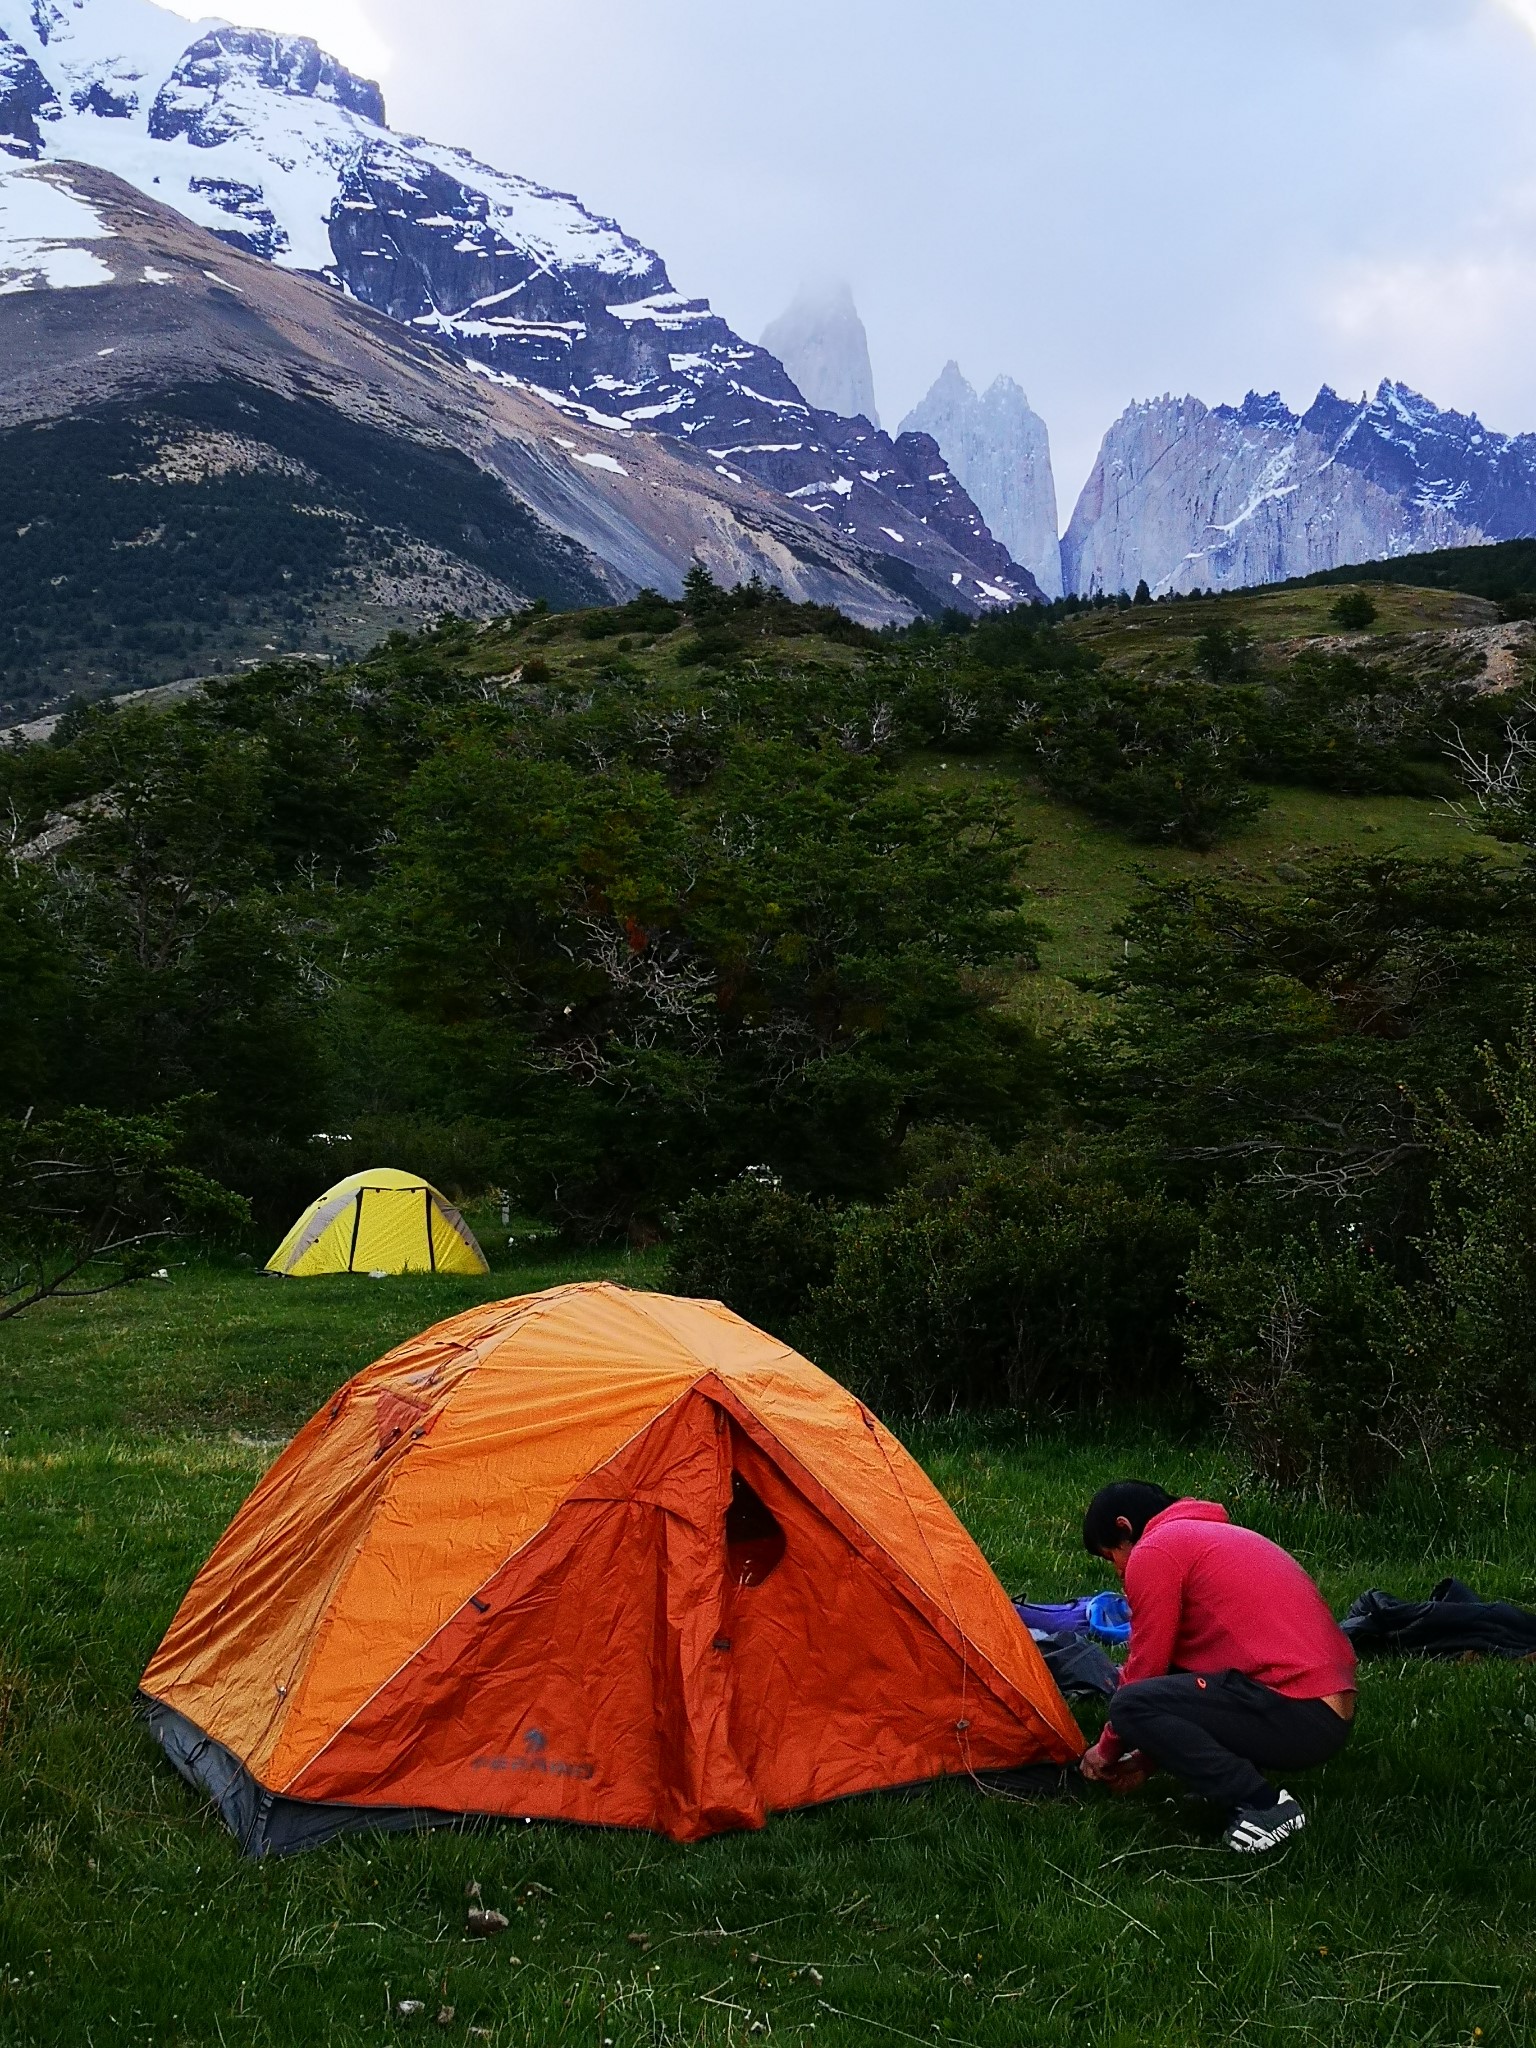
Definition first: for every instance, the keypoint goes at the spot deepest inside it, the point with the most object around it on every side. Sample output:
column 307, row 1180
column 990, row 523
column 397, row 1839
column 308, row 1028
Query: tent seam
column 908, row 1583
column 510, row 1558
column 471, row 1362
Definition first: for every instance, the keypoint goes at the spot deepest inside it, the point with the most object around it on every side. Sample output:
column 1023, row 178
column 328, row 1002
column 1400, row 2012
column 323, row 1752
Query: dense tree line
column 1504, row 572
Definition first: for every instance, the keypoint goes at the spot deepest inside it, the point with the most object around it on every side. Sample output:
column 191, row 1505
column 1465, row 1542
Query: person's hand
column 1095, row 1766
column 1128, row 1773
column 1118, row 1774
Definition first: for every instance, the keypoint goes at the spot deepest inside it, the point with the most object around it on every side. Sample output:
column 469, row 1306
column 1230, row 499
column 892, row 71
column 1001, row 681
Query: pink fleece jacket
column 1207, row 1596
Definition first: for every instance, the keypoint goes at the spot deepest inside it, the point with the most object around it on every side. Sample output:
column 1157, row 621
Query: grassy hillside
column 1424, row 635
column 1278, row 619
column 134, row 1426
column 1082, row 876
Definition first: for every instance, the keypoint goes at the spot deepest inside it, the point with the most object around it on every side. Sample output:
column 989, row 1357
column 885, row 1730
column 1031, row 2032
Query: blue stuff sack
column 1109, row 1617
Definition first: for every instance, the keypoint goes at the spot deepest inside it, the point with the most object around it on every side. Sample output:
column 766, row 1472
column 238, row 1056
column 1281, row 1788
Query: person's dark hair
column 1133, row 1500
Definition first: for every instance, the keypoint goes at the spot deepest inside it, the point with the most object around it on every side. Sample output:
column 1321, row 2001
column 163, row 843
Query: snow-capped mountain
column 238, row 459
column 280, row 150
column 1197, row 497
column 1000, row 449
column 822, row 342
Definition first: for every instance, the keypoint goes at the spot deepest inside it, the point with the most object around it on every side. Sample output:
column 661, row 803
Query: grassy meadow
column 135, row 1423
column 1082, row 879
column 1279, row 617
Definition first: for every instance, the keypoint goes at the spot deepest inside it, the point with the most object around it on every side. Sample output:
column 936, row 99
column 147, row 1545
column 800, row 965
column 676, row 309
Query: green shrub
column 1327, row 1370
column 1032, row 1282
column 1353, row 612
column 1288, row 1035
column 1163, row 762
column 721, row 644
column 1226, row 654
column 90, row 1202
column 756, row 1246
column 1333, row 722
column 1482, row 1250
column 648, row 612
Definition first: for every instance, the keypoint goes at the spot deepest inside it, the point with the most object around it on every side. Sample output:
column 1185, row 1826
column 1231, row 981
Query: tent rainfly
column 379, row 1222
column 594, row 1556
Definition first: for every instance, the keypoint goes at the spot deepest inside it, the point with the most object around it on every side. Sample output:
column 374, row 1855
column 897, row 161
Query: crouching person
column 1236, row 1666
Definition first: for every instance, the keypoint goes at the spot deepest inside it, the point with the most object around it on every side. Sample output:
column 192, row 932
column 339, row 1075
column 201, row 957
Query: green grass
column 1155, row 635
column 133, row 1426
column 1082, row 876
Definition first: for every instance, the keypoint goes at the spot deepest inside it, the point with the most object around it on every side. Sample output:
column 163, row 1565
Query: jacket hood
column 1188, row 1511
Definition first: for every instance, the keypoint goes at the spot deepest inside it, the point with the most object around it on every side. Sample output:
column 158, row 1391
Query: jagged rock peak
column 1000, row 450
column 1267, row 409
column 1190, row 496
column 206, row 96
column 824, row 345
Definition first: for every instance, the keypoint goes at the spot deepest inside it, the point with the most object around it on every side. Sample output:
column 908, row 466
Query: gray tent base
column 263, row 1822
column 266, row 1824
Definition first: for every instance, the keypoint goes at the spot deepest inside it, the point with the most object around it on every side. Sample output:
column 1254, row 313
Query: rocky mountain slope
column 822, row 342
column 1000, row 450
column 205, row 458
column 278, row 150
column 1192, row 497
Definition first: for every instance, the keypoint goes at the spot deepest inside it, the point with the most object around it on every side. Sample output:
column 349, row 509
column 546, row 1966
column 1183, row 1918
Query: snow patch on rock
column 42, row 224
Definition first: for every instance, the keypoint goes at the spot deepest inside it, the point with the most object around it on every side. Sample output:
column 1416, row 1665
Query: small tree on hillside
column 1226, row 654
column 1483, row 1248
column 1353, row 612
column 702, row 595
column 1143, row 593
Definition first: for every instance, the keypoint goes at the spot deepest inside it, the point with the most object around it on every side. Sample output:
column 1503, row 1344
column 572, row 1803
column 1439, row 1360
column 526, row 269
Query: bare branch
column 1496, row 784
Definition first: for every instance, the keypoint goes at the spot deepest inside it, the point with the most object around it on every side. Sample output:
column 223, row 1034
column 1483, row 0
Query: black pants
column 1219, row 1734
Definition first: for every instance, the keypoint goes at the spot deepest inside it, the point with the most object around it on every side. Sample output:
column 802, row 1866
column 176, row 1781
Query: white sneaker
column 1252, row 1832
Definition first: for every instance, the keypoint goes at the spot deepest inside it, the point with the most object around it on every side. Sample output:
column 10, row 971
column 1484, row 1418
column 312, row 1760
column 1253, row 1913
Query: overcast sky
column 1106, row 198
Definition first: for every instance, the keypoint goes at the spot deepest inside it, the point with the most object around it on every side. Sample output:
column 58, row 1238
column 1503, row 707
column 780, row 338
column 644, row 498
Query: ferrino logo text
column 535, row 1742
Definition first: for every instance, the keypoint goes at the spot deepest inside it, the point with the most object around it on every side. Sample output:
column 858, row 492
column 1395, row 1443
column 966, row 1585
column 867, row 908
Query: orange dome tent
column 596, row 1556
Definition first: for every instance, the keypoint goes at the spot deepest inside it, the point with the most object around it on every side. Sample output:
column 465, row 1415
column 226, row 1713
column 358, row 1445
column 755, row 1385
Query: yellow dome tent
column 379, row 1222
